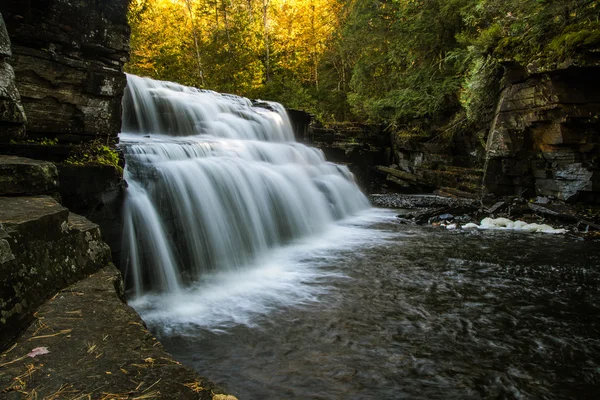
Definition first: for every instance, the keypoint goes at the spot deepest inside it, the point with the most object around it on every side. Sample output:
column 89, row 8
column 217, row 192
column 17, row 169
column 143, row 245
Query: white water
column 290, row 276
column 217, row 186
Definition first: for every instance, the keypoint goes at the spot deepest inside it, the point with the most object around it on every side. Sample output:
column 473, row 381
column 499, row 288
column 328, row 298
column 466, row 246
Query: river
column 375, row 309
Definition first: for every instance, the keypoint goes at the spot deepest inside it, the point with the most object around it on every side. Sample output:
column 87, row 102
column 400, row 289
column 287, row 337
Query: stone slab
column 32, row 218
column 98, row 347
column 24, row 176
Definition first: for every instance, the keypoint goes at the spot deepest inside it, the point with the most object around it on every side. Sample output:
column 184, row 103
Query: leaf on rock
column 38, row 351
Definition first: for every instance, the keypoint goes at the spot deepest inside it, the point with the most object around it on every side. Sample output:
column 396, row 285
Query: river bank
column 455, row 212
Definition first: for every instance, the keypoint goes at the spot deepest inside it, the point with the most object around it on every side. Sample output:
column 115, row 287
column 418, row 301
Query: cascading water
column 215, row 181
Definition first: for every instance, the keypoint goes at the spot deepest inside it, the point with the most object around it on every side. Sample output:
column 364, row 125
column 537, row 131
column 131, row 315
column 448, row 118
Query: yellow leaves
column 231, row 39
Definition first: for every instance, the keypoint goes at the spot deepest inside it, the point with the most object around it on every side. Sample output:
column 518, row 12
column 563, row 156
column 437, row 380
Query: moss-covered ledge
column 96, row 347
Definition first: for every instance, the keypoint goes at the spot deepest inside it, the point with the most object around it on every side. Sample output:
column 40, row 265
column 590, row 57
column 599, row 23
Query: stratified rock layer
column 68, row 58
column 42, row 247
column 544, row 139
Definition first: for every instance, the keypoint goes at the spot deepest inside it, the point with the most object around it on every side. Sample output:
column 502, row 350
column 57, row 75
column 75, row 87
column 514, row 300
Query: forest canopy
column 378, row 61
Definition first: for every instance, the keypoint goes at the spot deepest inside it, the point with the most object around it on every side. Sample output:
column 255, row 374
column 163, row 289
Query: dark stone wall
column 360, row 147
column 12, row 115
column 544, row 139
column 68, row 58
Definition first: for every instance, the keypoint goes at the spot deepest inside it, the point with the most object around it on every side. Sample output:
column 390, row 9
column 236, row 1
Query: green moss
column 94, row 152
column 575, row 39
column 44, row 141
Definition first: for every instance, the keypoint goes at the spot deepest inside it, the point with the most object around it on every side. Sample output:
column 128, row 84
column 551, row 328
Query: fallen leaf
column 38, row 351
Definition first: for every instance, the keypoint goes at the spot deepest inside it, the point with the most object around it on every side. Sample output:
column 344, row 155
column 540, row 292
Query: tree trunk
column 266, row 34
column 195, row 34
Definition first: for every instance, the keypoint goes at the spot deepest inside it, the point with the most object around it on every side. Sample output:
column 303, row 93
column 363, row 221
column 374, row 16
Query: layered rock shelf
column 544, row 137
column 68, row 59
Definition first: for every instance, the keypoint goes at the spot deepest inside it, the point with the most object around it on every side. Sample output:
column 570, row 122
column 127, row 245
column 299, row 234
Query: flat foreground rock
column 90, row 344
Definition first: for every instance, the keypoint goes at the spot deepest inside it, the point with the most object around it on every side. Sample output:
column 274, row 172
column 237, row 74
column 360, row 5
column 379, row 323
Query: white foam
column 507, row 224
column 290, row 276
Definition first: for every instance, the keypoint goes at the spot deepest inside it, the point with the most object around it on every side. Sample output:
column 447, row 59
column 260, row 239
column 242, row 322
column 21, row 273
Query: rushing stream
column 261, row 265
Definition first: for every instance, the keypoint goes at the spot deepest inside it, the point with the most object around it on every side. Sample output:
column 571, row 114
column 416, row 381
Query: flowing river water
column 393, row 311
column 262, row 266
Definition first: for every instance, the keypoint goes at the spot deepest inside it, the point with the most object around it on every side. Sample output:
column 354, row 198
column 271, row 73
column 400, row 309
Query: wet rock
column 361, row 147
column 300, row 121
column 24, row 176
column 445, row 217
column 397, row 200
column 97, row 192
column 497, row 206
column 96, row 347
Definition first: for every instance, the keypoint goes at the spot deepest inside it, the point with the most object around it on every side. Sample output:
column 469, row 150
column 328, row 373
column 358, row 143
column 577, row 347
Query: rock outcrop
column 544, row 139
column 64, row 326
column 12, row 115
column 23, row 176
column 68, row 57
column 453, row 165
column 98, row 193
column 360, row 147
column 44, row 247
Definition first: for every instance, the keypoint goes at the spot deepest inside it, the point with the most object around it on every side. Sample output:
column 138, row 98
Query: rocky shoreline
column 66, row 331
column 455, row 213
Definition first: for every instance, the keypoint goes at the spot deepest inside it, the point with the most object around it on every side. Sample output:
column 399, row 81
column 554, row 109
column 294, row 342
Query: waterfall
column 214, row 181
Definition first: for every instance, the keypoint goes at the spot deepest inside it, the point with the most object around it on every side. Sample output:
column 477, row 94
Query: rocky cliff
column 12, row 115
column 68, row 58
column 65, row 329
column 542, row 140
column 545, row 137
column 63, row 101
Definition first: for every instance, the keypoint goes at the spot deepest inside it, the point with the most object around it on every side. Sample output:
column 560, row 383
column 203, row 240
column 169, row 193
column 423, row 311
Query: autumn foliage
column 385, row 61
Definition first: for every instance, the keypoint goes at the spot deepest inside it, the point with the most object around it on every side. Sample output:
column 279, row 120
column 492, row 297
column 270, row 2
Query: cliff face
column 12, row 115
column 67, row 84
column 544, row 139
column 68, row 58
